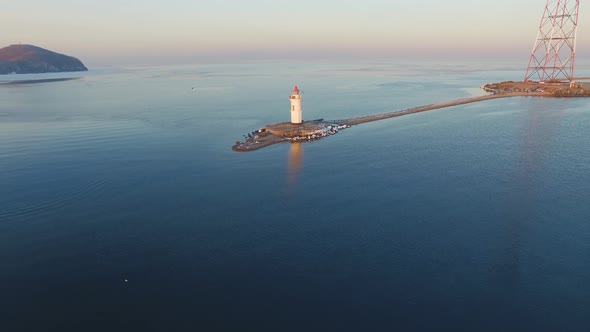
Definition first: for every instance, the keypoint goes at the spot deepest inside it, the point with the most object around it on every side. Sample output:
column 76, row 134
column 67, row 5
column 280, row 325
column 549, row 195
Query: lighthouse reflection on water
column 295, row 161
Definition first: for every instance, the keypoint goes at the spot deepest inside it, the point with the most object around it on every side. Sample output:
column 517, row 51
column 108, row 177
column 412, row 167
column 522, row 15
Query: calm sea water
column 122, row 206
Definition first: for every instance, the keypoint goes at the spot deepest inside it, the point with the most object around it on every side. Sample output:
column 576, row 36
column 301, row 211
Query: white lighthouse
column 296, row 117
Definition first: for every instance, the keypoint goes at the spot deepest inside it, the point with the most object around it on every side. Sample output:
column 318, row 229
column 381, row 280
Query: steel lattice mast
column 554, row 53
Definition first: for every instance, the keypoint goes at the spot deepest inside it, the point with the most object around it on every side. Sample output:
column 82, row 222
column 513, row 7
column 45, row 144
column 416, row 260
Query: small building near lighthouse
column 296, row 113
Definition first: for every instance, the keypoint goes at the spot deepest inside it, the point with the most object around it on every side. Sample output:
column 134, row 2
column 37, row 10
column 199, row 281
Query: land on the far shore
column 547, row 89
column 29, row 59
column 286, row 132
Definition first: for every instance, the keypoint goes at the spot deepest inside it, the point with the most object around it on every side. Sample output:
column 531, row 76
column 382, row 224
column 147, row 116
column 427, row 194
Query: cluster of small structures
column 328, row 130
column 553, row 88
column 253, row 136
column 499, row 89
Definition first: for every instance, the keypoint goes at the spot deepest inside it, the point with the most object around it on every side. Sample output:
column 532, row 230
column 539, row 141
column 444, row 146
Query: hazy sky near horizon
column 109, row 30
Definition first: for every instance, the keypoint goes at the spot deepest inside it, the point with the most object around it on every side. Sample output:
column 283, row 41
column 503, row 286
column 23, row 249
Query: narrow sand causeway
column 431, row 107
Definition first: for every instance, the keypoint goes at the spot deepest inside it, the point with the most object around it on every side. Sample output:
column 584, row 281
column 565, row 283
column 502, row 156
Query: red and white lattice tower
column 554, row 53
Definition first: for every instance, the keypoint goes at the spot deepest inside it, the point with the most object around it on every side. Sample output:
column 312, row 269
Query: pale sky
column 103, row 31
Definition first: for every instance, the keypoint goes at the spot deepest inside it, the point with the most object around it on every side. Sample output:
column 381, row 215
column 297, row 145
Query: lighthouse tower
column 296, row 117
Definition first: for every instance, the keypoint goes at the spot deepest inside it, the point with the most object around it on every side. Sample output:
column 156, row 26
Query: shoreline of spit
column 497, row 91
column 269, row 139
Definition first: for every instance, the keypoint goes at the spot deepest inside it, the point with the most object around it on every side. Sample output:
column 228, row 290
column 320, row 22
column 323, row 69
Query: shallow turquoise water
column 467, row 218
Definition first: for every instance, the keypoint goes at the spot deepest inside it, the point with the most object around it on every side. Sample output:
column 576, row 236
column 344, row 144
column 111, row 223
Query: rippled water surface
column 122, row 206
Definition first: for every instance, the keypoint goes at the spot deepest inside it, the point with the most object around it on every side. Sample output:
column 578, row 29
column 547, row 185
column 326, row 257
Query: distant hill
column 29, row 59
